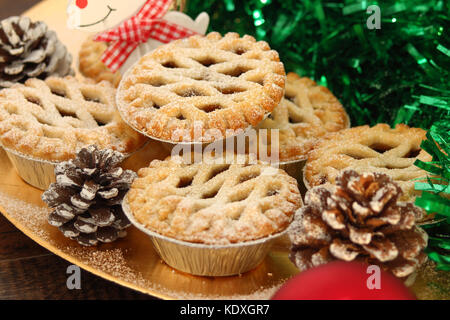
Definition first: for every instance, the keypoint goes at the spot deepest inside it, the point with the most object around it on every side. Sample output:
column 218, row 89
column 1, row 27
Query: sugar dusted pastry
column 53, row 119
column 202, row 83
column 306, row 113
column 213, row 203
column 91, row 65
column 369, row 149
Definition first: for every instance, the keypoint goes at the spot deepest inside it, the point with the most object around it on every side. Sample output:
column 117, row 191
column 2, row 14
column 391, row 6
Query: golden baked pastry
column 369, row 149
column 202, row 83
column 306, row 113
column 213, row 203
column 53, row 119
column 91, row 65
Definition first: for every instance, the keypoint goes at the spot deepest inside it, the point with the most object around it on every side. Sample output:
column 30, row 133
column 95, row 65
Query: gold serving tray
column 132, row 261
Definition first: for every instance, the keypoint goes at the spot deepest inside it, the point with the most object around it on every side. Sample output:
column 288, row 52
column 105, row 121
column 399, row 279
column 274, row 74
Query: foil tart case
column 38, row 173
column 205, row 259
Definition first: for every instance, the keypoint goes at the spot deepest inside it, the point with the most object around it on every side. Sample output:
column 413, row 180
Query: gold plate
column 132, row 261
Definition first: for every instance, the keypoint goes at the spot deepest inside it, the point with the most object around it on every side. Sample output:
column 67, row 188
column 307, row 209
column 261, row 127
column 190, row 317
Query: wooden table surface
column 28, row 271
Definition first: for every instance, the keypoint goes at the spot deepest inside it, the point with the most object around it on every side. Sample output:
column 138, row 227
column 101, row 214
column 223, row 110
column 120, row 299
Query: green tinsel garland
column 399, row 73
column 435, row 196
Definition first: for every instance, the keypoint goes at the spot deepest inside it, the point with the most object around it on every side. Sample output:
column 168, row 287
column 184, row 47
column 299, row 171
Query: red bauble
column 341, row 280
column 81, row 4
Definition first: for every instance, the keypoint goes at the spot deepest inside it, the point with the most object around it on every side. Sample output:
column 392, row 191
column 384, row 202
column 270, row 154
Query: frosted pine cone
column 87, row 196
column 29, row 50
column 358, row 219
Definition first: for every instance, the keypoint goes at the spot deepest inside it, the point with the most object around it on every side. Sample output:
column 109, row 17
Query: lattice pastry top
column 202, row 83
column 365, row 149
column 306, row 113
column 91, row 65
column 213, row 203
column 53, row 119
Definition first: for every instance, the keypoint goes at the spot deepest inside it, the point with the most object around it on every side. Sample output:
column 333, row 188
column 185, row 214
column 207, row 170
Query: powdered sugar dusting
column 29, row 215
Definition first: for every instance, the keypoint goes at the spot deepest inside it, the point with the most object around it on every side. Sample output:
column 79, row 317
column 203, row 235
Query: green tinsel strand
column 435, row 197
column 396, row 74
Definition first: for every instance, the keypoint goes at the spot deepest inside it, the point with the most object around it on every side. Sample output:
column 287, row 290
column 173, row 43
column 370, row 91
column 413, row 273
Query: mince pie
column 306, row 113
column 369, row 149
column 91, row 65
column 53, row 119
column 202, row 89
column 213, row 202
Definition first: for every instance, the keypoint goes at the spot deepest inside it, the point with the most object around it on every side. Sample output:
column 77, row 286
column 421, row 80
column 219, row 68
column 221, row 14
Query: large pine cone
column 29, row 50
column 358, row 219
column 87, row 196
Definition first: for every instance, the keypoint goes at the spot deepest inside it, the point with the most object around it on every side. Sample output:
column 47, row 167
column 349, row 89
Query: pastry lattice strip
column 306, row 113
column 57, row 116
column 227, row 82
column 364, row 149
column 61, row 104
column 199, row 202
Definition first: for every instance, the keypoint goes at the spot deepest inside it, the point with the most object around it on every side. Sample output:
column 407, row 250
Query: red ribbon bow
column 147, row 23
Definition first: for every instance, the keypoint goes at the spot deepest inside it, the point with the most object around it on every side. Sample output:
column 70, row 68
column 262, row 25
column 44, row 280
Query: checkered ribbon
column 147, row 23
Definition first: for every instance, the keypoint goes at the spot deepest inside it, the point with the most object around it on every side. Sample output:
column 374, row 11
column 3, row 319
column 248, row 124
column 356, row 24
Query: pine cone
column 87, row 196
column 358, row 219
column 29, row 50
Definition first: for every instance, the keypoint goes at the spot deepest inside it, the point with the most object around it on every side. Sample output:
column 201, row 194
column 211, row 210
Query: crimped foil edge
column 207, row 259
column 38, row 173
